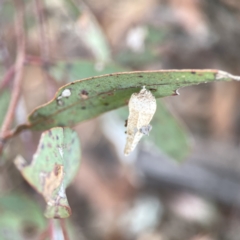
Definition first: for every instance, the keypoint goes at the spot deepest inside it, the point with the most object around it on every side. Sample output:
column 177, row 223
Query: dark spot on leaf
column 49, row 145
column 140, row 76
column 60, row 102
column 57, row 137
column 57, row 169
column 106, row 104
column 193, row 72
column 153, row 89
column 84, row 94
column 73, row 140
column 50, row 133
column 42, row 146
column 126, row 122
column 98, row 85
column 83, row 108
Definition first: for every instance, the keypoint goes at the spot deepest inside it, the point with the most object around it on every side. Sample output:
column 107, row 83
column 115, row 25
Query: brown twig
column 51, row 229
column 64, row 230
column 18, row 67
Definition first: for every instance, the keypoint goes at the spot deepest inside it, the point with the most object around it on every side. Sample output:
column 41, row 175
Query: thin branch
column 64, row 230
column 20, row 36
column 51, row 229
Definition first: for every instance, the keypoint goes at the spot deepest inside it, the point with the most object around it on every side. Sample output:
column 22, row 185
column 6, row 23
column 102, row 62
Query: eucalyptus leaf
column 87, row 98
column 53, row 167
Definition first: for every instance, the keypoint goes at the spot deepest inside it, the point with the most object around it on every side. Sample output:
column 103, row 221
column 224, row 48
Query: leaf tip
column 221, row 75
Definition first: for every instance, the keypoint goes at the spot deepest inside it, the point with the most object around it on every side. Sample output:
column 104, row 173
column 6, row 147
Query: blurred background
column 149, row 195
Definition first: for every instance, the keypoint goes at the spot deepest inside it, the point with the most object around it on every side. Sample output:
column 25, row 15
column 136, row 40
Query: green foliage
column 52, row 169
column 21, row 218
column 168, row 134
column 87, row 98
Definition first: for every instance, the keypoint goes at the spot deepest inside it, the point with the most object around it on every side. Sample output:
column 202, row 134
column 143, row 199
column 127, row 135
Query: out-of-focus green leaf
column 168, row 134
column 54, row 165
column 21, row 218
column 71, row 71
column 4, row 101
column 87, row 98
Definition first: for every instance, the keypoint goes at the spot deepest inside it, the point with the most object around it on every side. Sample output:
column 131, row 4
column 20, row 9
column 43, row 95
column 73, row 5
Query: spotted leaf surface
column 87, row 98
column 53, row 167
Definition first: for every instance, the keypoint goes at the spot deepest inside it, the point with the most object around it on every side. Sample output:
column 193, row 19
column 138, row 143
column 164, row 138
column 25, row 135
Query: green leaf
column 53, row 167
column 168, row 134
column 87, row 98
column 21, row 218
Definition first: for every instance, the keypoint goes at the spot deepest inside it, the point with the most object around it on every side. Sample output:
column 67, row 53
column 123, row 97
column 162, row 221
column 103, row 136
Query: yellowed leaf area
column 52, row 181
column 142, row 107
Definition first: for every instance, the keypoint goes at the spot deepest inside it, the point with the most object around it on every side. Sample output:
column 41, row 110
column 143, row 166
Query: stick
column 64, row 230
column 18, row 67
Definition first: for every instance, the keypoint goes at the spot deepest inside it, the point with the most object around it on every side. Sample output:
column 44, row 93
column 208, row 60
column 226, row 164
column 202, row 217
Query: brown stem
column 18, row 67
column 51, row 229
column 64, row 230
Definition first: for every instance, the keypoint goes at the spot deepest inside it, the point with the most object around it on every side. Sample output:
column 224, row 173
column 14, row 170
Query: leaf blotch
column 84, row 94
column 57, row 169
column 60, row 103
